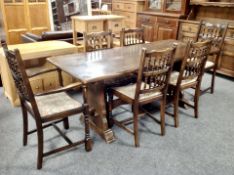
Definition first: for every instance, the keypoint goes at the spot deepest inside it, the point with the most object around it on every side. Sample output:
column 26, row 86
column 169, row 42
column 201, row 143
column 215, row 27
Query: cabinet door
column 148, row 32
column 148, row 23
column 165, row 29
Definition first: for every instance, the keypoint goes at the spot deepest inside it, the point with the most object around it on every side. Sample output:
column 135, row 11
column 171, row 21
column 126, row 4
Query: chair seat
column 52, row 105
column 129, row 92
column 174, row 78
column 209, row 64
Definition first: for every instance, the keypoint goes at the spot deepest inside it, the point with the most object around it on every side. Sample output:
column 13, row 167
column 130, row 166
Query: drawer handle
column 190, row 29
column 94, row 27
column 166, row 21
column 116, row 25
column 37, row 87
column 118, row 6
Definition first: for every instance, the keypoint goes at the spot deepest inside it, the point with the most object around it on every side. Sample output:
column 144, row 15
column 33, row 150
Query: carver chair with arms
column 47, row 109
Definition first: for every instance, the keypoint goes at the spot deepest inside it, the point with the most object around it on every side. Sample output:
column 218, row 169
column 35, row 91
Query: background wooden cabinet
column 161, row 18
column 128, row 9
column 21, row 16
column 157, row 26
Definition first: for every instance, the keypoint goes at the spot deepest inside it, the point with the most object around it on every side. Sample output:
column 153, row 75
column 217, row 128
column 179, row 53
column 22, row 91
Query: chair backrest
column 98, row 41
column 132, row 37
column 19, row 75
column 214, row 32
column 193, row 64
column 154, row 71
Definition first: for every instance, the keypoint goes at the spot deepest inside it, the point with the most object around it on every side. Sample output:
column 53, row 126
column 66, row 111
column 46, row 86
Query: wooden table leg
column 96, row 100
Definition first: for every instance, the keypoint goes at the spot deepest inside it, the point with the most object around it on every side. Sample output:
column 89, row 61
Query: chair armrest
column 32, row 73
column 61, row 89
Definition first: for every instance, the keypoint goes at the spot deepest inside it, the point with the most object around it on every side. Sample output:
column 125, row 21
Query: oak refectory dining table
column 94, row 68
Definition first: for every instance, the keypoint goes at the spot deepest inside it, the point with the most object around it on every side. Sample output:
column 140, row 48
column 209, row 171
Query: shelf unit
column 58, row 13
column 108, row 3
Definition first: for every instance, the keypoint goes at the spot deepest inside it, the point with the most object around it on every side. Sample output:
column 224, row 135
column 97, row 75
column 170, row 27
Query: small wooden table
column 97, row 23
column 30, row 51
column 94, row 68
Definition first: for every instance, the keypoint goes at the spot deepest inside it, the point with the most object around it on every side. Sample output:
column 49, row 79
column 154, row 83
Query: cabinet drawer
column 36, row 85
column 230, row 33
column 185, row 27
column 116, row 12
column 130, row 16
column 130, row 24
column 145, row 19
column 167, row 21
column 115, row 25
column 130, row 7
column 118, row 6
column 95, row 26
column 227, row 63
column 51, row 82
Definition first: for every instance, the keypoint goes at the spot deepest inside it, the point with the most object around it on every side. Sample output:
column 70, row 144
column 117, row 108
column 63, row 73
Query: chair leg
column 162, row 115
column 196, row 99
column 40, row 146
column 88, row 140
column 213, row 80
column 135, row 125
column 176, row 106
column 66, row 123
column 25, row 125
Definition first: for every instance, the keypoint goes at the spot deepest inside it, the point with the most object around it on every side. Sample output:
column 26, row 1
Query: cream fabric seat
column 209, row 64
column 129, row 91
column 174, row 78
column 54, row 104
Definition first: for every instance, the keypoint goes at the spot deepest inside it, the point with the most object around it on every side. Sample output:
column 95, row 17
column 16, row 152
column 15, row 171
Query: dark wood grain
column 107, row 64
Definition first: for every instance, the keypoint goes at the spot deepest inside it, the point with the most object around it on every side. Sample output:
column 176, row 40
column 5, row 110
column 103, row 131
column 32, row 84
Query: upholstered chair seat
column 50, row 106
column 209, row 64
column 174, row 78
column 129, row 92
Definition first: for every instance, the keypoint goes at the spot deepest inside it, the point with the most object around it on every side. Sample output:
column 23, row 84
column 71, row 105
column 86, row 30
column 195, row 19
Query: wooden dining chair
column 216, row 33
column 132, row 37
column 47, row 109
column 189, row 76
column 152, row 82
column 98, row 41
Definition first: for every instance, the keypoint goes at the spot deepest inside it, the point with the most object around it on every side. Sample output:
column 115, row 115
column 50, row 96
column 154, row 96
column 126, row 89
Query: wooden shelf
column 215, row 4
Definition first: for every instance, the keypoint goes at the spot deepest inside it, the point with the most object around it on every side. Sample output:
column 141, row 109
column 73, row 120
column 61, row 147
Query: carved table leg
column 97, row 103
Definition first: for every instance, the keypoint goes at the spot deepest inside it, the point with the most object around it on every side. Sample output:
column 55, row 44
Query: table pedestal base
column 97, row 105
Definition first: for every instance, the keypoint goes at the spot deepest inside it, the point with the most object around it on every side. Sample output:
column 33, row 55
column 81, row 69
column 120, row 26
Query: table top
column 97, row 17
column 106, row 64
column 42, row 49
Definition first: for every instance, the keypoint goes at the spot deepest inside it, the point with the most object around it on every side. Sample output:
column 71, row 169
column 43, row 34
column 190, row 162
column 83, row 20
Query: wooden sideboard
column 96, row 23
column 21, row 16
column 160, row 19
column 216, row 12
column 128, row 9
column 35, row 52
